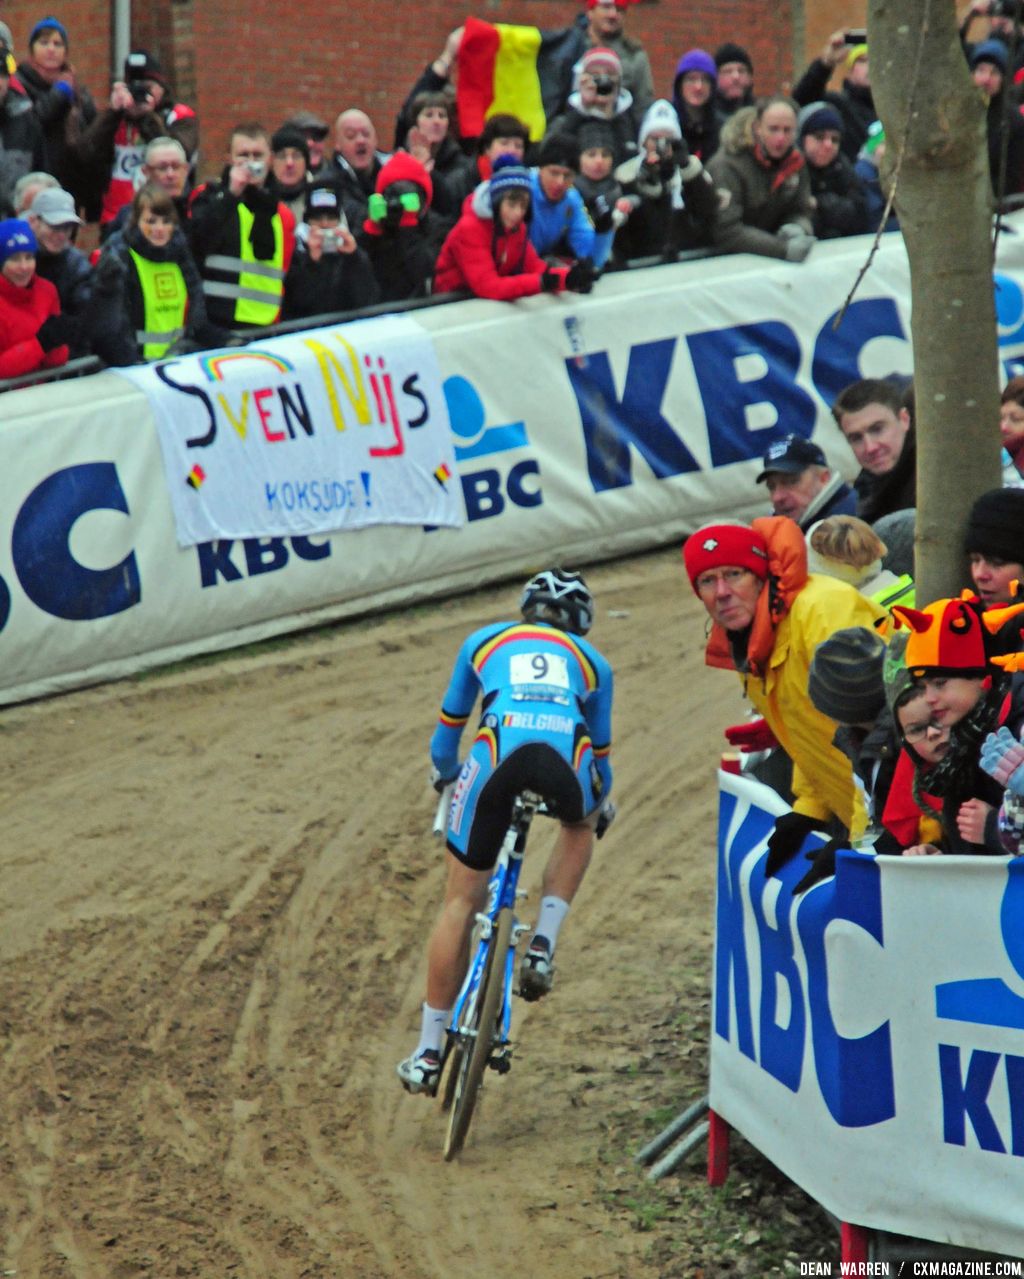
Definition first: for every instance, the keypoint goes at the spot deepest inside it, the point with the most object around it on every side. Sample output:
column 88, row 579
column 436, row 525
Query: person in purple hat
column 693, row 96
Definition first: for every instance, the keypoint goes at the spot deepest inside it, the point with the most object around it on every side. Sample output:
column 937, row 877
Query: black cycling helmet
column 560, row 597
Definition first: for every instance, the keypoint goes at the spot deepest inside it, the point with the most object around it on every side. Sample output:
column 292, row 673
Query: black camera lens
column 139, row 92
column 603, row 85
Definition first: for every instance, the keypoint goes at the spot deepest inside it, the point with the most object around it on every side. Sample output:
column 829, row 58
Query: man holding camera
column 329, row 272
column 141, row 108
column 242, row 237
column 854, row 102
column 1002, row 17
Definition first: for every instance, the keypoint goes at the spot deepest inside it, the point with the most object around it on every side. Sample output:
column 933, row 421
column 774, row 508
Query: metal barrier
column 93, row 364
column 74, row 368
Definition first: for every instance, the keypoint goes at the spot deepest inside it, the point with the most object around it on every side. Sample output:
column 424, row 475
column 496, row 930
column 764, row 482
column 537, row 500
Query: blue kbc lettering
column 485, row 492
column 613, row 424
column 854, row 1075
column 47, row 570
column 986, row 1001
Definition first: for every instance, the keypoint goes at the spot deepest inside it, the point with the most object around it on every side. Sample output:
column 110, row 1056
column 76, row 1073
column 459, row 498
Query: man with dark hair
column 242, row 237
column 734, row 85
column 854, row 101
column 872, row 416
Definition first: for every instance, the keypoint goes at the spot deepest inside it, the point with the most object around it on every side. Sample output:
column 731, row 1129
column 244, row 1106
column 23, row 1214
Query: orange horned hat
column 952, row 636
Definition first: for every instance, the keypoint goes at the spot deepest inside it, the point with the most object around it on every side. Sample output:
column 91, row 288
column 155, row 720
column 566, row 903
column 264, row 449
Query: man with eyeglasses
column 768, row 616
column 53, row 218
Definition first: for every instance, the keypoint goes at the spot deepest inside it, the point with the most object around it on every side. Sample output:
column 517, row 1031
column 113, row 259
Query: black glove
column 791, row 829
column 438, row 782
column 681, row 152
column 823, row 864
column 553, row 280
column 57, row 330
column 109, row 273
column 581, row 276
column 601, row 212
column 605, row 818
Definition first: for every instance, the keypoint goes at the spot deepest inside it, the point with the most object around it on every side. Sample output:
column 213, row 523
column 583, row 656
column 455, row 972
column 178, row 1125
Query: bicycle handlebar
column 444, row 802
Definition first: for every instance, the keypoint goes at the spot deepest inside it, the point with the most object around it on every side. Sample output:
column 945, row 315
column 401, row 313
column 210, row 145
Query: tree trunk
column 944, row 202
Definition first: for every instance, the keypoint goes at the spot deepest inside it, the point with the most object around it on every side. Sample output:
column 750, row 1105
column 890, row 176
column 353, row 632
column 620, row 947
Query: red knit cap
column 601, row 57
column 619, row 4
column 725, row 546
column 402, row 167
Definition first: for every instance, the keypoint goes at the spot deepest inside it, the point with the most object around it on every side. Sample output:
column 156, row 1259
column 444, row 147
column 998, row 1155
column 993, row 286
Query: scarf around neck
column 792, row 162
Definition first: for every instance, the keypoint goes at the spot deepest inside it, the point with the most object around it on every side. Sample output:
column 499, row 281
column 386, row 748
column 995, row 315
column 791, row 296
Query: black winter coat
column 841, row 206
column 21, row 145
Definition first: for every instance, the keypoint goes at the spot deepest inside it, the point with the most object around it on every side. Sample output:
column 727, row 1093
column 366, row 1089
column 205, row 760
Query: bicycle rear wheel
column 468, row 1069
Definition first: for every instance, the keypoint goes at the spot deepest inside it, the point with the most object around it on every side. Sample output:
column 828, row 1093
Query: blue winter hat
column 817, row 117
column 48, row 24
column 697, row 60
column 508, row 175
column 16, row 236
column 989, row 51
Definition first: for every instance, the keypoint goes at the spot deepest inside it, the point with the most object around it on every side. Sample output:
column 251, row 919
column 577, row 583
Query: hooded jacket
column 796, row 611
column 479, row 255
column 750, row 208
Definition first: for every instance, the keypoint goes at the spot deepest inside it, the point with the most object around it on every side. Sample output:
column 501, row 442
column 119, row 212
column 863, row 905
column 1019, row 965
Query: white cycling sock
column 432, row 1028
column 553, row 911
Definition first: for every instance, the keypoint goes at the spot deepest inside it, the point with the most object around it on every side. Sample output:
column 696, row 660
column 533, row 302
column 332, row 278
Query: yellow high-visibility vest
column 165, row 304
column 259, row 289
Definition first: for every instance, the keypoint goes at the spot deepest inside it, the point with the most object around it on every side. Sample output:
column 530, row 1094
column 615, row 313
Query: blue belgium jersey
column 538, row 684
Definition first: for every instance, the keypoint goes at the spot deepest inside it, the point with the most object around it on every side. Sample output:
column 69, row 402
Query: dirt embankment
column 217, row 883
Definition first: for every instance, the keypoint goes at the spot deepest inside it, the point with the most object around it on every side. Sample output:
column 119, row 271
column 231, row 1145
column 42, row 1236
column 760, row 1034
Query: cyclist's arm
column 455, row 711
column 598, row 713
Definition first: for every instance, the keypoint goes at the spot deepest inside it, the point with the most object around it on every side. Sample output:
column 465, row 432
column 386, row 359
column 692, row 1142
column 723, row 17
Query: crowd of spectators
column 308, row 219
column 888, row 725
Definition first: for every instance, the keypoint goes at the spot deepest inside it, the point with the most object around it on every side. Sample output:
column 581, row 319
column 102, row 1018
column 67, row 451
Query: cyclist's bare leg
column 568, row 862
column 448, row 948
column 562, row 877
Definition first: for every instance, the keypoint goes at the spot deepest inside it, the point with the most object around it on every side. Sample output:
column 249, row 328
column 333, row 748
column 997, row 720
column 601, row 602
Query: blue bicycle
column 478, row 1035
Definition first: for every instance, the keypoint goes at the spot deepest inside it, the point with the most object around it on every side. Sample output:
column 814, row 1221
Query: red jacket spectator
column 489, row 250
column 32, row 329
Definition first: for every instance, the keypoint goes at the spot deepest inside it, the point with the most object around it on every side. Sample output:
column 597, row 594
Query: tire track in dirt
column 217, row 891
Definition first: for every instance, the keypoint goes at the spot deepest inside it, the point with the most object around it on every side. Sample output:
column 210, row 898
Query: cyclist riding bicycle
column 546, row 727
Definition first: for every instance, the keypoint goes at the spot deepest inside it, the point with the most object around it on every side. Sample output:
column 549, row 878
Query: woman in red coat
column 489, row 250
column 33, row 333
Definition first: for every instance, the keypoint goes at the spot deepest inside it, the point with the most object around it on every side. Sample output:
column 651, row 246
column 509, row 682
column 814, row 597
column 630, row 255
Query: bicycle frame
column 478, row 1036
column 502, row 891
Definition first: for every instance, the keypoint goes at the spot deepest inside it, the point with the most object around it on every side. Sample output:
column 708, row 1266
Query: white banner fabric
column 332, row 428
column 868, row 1035
column 582, row 428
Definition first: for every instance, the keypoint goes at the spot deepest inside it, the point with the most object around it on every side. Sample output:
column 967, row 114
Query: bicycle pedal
column 501, row 1062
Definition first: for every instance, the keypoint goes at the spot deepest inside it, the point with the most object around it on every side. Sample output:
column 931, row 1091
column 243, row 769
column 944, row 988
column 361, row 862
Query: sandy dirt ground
column 216, row 886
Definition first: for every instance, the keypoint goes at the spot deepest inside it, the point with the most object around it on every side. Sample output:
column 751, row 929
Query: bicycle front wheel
column 470, row 1065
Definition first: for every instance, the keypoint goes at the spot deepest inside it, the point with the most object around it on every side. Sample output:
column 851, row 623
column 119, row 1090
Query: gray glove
column 790, row 231
column 798, row 246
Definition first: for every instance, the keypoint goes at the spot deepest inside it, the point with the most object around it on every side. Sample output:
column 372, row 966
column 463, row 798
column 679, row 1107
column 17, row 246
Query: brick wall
column 239, row 59
column 88, row 25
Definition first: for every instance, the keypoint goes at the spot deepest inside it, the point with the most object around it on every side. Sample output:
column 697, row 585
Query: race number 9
column 539, row 668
